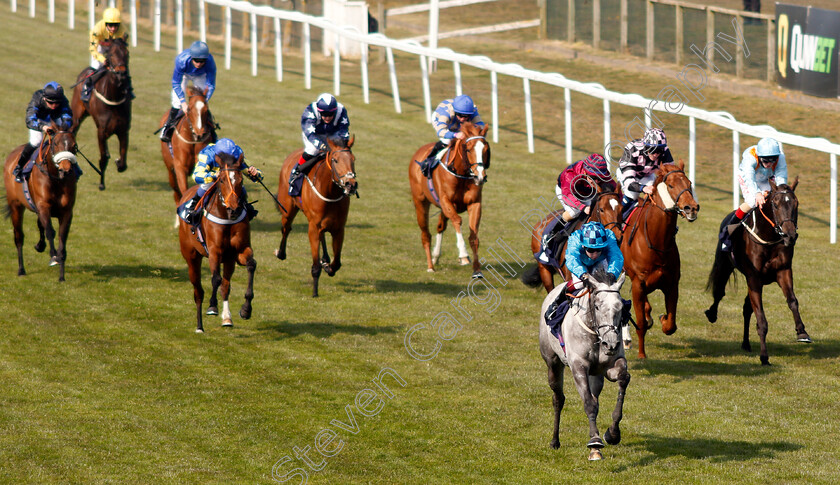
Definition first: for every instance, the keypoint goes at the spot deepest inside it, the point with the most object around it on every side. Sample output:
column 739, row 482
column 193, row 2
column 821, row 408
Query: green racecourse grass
column 104, row 380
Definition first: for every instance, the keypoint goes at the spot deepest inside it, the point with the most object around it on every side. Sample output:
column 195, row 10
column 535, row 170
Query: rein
column 47, row 147
column 220, row 196
column 591, row 312
column 335, row 178
column 471, row 175
column 196, row 139
column 777, row 228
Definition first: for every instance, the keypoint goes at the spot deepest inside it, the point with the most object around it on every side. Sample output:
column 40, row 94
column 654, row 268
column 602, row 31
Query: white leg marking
column 436, row 249
column 226, row 320
column 462, row 246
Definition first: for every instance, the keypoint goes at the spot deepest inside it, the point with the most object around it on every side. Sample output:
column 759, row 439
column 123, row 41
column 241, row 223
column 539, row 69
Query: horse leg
column 618, row 373
column 421, row 208
column 546, row 276
column 45, row 221
column 16, row 214
column 315, row 247
column 721, row 271
column 280, row 252
column 463, row 256
column 122, row 162
column 229, row 266
column 246, row 258
column 669, row 319
column 441, row 227
column 325, row 256
column 747, row 312
column 215, row 282
column 555, row 382
column 194, row 266
column 63, row 231
column 104, row 155
column 42, row 242
column 474, row 212
column 785, row 280
column 755, row 292
column 337, row 242
column 580, row 373
column 642, row 309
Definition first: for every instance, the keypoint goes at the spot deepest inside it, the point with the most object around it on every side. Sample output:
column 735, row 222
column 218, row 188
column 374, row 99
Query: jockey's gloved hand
column 586, row 278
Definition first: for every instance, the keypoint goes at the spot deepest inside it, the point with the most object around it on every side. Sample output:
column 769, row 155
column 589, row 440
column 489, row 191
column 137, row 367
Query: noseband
column 470, row 175
column 676, row 207
column 195, row 138
column 777, row 226
column 57, row 157
column 591, row 310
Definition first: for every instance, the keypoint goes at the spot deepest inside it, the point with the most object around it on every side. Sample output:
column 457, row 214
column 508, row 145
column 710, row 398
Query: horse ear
column 205, row 91
column 620, row 281
column 772, row 184
column 681, row 164
column 484, row 130
column 795, row 183
column 351, row 140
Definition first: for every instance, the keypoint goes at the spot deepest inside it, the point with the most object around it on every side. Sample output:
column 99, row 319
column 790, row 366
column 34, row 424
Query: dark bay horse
column 227, row 235
column 324, row 200
column 592, row 352
column 763, row 252
column 651, row 257
column 52, row 186
column 109, row 105
column 192, row 133
column 605, row 207
column 455, row 188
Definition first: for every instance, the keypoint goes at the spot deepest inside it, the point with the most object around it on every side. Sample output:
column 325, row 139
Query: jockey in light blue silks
column 447, row 120
column 324, row 118
column 590, row 247
column 759, row 164
column 207, row 171
column 194, row 66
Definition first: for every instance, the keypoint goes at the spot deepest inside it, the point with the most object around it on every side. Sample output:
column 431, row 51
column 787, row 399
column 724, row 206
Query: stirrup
column 18, row 173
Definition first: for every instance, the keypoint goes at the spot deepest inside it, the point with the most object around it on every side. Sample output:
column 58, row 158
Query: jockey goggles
column 652, row 149
column 769, row 160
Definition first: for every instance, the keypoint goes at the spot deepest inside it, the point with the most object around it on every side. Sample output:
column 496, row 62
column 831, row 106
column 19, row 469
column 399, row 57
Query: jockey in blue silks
column 48, row 105
column 590, row 247
column 447, row 120
column 207, row 171
column 759, row 164
column 194, row 65
column 324, row 118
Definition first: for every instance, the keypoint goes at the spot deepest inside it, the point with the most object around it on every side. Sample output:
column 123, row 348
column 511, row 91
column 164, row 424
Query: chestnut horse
column 455, row 187
column 227, row 241
column 109, row 105
column 324, row 200
column 605, row 207
column 52, row 187
column 192, row 133
column 763, row 252
column 651, row 257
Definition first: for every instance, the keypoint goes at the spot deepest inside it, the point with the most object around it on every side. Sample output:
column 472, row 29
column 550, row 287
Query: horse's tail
column 531, row 276
column 721, row 269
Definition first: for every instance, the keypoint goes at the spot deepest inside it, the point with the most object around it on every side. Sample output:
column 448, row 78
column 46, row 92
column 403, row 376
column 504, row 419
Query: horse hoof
column 227, row 323
column 595, row 442
column 711, row 316
column 279, row 255
column 477, row 275
column 804, row 338
column 40, row 247
column 212, row 311
column 765, row 360
column 612, row 439
column 746, row 347
column 430, row 270
column 245, row 313
column 628, row 344
column 54, row 261
column 21, row 272
column 121, row 168
column 464, row 261
column 101, row 186
column 595, row 454
column 555, row 444
column 198, row 330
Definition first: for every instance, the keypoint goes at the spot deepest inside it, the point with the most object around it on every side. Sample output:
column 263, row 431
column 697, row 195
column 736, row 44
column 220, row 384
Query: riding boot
column 169, row 125
column 627, row 206
column 191, row 215
column 87, row 89
column 727, row 228
column 296, row 177
column 27, row 152
column 425, row 164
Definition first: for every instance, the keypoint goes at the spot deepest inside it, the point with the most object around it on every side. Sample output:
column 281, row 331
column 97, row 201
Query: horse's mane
column 336, row 140
column 601, row 275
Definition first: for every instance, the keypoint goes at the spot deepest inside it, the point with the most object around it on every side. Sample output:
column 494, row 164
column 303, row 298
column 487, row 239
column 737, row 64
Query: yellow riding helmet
column 111, row 16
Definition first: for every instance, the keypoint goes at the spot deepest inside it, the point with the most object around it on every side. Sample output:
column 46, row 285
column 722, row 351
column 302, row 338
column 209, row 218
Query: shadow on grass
column 700, row 348
column 118, row 271
column 155, row 185
column 663, row 448
column 272, row 222
column 685, row 369
column 323, row 329
column 392, row 286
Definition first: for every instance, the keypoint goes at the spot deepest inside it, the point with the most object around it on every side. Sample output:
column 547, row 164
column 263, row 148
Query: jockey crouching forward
column 194, row 66
column 324, row 118
column 207, row 171
column 638, row 165
column 107, row 29
column 446, row 121
column 759, row 164
column 576, row 185
column 48, row 105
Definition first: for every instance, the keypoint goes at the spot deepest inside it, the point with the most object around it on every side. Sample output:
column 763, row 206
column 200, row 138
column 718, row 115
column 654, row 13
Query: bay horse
column 324, row 200
column 455, row 187
column 763, row 252
column 109, row 105
column 194, row 131
column 605, row 207
column 591, row 348
column 52, row 187
column 651, row 257
column 226, row 233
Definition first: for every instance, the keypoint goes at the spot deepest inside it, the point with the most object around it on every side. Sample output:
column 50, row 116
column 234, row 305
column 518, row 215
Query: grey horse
column 593, row 350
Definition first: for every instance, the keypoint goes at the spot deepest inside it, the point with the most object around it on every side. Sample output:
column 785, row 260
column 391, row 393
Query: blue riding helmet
column 768, row 147
column 327, row 104
column 463, row 105
column 594, row 235
column 226, row 145
column 199, row 50
column 53, row 92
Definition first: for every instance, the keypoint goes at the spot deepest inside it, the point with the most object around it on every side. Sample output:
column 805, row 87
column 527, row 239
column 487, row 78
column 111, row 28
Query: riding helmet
column 199, row 50
column 463, row 105
column 655, row 138
column 327, row 105
column 594, row 235
column 227, row 146
column 768, row 147
column 596, row 166
column 53, row 92
column 111, row 16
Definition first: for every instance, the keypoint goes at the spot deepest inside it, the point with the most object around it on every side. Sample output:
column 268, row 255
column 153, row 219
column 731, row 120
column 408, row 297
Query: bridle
column 777, row 226
column 226, row 180
column 342, row 181
column 610, row 327
column 48, row 145
column 196, row 139
column 676, row 206
column 470, row 175
column 592, row 211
